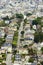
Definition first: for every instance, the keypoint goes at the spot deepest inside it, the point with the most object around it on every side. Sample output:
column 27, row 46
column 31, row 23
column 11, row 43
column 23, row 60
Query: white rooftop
column 16, row 64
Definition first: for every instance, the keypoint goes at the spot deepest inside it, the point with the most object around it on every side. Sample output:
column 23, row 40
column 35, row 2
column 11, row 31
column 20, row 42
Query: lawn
column 15, row 38
column 13, row 58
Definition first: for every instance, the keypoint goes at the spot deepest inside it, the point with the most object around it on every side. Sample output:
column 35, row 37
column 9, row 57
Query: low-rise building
column 18, row 57
column 29, row 36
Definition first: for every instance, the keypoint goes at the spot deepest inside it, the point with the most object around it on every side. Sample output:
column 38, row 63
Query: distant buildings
column 14, row 6
column 40, row 11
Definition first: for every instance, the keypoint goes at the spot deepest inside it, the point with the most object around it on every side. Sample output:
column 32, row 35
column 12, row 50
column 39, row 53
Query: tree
column 37, row 21
column 14, row 46
column 14, row 52
column 42, row 50
column 41, row 62
column 34, row 22
column 25, row 20
column 41, row 36
column 5, row 18
column 22, row 32
column 20, row 16
column 3, row 63
column 38, row 64
column 31, row 60
column 38, row 37
column 25, row 46
column 17, row 27
column 35, row 51
column 30, row 51
column 28, row 14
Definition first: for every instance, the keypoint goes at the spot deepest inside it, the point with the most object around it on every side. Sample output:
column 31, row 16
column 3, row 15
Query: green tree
column 5, row 18
column 41, row 62
column 34, row 22
column 20, row 16
column 30, row 51
column 3, row 63
column 31, row 60
column 22, row 32
column 42, row 50
column 25, row 20
column 28, row 14
column 37, row 21
column 18, row 27
column 38, row 64
column 25, row 46
column 14, row 52
column 38, row 37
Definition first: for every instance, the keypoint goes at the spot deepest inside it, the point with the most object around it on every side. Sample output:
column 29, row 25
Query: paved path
column 8, row 59
column 19, row 34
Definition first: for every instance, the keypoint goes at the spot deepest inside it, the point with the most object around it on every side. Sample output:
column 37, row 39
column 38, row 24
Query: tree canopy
column 31, row 60
column 42, row 50
column 36, row 21
column 41, row 62
column 38, row 37
column 20, row 16
column 28, row 14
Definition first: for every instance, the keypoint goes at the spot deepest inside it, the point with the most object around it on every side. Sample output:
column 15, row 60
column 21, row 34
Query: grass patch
column 15, row 38
column 13, row 58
